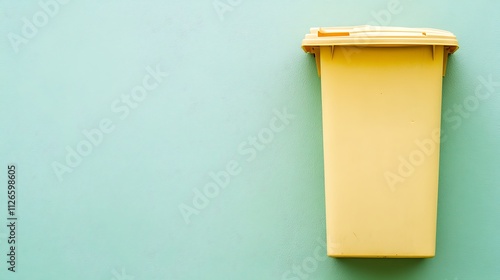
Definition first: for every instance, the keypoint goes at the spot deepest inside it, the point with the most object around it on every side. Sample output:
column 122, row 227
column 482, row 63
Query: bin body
column 381, row 112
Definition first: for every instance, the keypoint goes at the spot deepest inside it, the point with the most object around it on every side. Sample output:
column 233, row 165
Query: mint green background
column 116, row 215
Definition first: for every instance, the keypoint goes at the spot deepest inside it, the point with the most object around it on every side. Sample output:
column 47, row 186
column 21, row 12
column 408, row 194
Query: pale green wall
column 116, row 215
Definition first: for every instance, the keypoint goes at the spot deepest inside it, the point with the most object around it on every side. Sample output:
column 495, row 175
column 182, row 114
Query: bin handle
column 325, row 32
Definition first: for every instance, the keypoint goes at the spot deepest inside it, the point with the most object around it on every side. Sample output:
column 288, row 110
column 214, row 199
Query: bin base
column 395, row 256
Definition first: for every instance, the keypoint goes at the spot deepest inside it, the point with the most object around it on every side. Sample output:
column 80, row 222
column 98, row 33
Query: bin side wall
column 381, row 116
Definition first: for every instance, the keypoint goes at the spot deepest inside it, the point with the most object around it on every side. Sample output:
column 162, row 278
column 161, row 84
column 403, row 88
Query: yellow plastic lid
column 383, row 36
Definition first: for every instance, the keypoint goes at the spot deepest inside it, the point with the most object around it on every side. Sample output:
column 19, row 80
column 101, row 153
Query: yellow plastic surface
column 381, row 120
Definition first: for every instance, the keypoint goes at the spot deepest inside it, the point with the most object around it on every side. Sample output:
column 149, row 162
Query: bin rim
column 378, row 36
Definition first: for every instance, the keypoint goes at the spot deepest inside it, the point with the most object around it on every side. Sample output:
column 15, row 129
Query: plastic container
column 381, row 99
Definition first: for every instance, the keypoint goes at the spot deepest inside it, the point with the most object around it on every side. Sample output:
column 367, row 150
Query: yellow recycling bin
column 381, row 99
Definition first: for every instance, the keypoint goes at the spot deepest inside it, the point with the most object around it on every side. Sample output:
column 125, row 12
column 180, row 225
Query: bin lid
column 366, row 35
